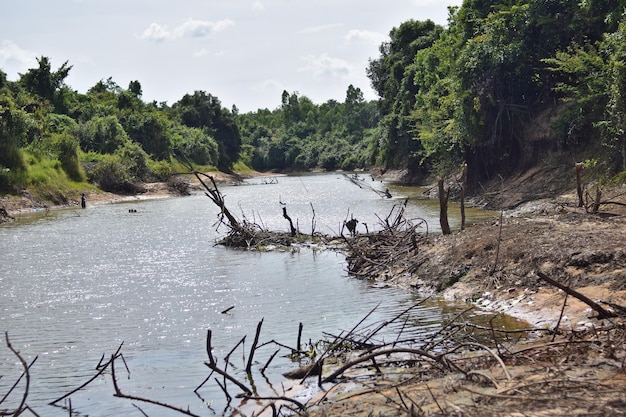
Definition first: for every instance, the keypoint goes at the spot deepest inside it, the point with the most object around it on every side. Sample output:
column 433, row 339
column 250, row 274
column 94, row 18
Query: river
column 76, row 284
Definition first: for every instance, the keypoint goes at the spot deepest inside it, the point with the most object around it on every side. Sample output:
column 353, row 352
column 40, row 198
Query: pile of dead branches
column 462, row 369
column 392, row 251
column 250, row 235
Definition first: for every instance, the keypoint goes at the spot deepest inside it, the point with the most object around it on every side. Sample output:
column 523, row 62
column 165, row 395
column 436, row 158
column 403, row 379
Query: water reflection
column 77, row 284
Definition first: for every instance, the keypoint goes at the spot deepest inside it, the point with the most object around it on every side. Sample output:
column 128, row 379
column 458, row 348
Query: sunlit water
column 76, row 284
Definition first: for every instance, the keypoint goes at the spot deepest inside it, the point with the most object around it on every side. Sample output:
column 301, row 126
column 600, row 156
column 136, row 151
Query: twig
column 558, row 323
column 269, row 360
column 101, row 368
column 385, row 352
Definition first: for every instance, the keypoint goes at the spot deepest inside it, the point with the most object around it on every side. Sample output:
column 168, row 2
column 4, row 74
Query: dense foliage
column 502, row 85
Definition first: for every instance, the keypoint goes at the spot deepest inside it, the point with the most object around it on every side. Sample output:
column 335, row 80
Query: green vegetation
column 501, row 86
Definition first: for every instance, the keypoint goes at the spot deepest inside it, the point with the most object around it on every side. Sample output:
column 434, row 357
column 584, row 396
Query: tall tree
column 392, row 78
column 203, row 110
column 47, row 83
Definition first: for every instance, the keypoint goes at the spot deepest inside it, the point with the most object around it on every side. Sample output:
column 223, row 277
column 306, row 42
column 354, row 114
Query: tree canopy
column 502, row 84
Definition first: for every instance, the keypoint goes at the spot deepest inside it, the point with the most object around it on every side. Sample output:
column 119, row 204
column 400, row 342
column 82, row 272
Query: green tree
column 195, row 144
column 151, row 129
column 46, row 83
column 202, row 110
column 102, row 134
column 392, row 78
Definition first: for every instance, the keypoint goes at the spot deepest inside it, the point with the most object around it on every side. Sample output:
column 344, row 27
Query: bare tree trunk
column 443, row 208
column 463, row 188
column 579, row 185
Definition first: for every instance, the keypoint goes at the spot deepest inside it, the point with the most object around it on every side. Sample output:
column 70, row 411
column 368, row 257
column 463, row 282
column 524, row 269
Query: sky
column 244, row 52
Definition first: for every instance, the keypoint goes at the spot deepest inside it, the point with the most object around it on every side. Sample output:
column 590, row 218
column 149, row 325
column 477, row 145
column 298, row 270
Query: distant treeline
column 504, row 84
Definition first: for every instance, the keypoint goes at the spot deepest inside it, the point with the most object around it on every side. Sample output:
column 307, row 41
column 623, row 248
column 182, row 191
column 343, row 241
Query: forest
column 501, row 86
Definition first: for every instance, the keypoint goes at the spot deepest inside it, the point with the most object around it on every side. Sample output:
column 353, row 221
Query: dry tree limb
column 558, row 323
column 253, row 347
column 227, row 310
column 388, row 322
column 26, row 374
column 507, row 331
column 384, row 352
column 269, row 361
column 212, row 365
column 120, row 394
column 292, row 229
column 280, row 398
column 602, row 313
column 17, row 381
column 488, row 350
column 298, row 344
column 100, row 368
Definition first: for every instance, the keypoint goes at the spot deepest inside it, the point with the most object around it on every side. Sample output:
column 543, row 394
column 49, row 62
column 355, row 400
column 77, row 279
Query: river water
column 77, row 284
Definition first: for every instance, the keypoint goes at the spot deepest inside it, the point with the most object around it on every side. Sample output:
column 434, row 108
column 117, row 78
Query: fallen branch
column 120, row 394
column 602, row 313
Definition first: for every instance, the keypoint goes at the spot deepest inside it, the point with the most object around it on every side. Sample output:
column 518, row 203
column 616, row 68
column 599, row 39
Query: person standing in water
column 83, row 201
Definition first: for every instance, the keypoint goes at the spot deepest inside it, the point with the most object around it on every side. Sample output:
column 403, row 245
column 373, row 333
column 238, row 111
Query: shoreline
column 538, row 305
column 551, row 236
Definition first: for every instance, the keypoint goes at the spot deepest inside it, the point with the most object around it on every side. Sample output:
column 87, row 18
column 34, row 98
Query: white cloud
column 191, row 28
column 366, row 36
column 325, row 67
column 155, row 32
column 258, row 5
column 268, row 85
column 10, row 53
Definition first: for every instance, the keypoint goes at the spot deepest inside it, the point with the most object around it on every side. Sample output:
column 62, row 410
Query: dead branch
column 212, row 365
column 100, row 367
column 386, row 352
column 22, row 406
column 602, row 313
column 253, row 347
column 286, row 216
column 274, row 399
column 120, row 394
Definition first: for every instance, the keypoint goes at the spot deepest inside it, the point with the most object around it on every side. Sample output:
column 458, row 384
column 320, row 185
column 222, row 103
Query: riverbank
column 12, row 206
column 572, row 364
column 496, row 266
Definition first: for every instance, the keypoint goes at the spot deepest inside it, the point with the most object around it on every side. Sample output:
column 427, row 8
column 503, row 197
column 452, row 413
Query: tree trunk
column 443, row 208
column 579, row 185
column 463, row 188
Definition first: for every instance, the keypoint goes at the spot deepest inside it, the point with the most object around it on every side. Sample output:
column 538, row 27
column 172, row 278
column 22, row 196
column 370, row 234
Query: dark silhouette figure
column 83, row 201
column 351, row 225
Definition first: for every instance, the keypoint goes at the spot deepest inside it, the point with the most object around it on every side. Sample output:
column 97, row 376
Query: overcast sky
column 245, row 52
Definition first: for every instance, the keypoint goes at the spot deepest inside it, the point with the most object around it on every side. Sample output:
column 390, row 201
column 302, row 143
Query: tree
column 102, row 134
column 392, row 78
column 151, row 129
column 46, row 83
column 134, row 87
column 205, row 111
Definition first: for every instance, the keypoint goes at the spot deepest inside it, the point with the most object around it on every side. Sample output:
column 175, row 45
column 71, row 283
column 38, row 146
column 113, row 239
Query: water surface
column 76, row 284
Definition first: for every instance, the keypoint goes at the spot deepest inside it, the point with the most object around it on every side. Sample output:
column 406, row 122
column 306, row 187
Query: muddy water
column 77, row 284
